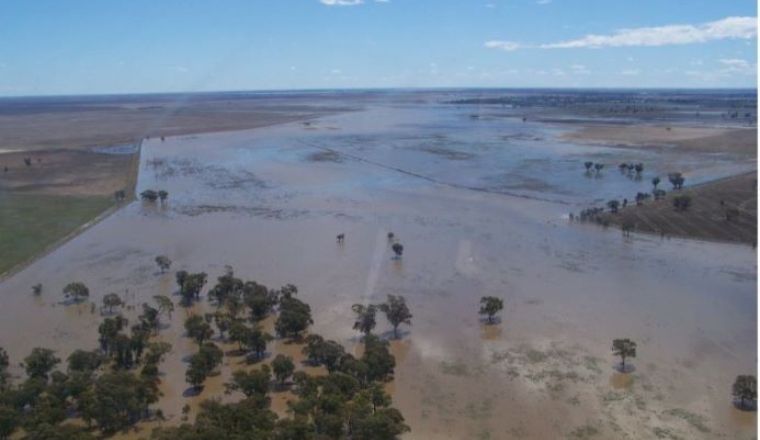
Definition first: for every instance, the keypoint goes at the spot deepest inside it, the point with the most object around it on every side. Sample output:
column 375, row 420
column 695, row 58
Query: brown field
column 741, row 141
column 706, row 218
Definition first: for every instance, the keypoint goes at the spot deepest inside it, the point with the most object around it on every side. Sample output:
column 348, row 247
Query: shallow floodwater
column 478, row 204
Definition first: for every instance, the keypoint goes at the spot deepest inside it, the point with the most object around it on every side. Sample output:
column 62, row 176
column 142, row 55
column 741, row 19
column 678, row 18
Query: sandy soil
column 741, row 141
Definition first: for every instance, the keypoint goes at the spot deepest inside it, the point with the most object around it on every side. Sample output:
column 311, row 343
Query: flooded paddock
column 478, row 205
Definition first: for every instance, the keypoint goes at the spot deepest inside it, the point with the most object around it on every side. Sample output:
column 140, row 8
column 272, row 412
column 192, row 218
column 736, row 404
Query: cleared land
column 72, row 173
column 32, row 222
column 741, row 141
column 706, row 217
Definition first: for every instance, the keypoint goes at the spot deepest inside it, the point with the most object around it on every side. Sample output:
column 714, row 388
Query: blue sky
column 110, row 46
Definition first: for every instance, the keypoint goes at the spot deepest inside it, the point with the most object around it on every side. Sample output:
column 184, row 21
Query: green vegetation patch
column 29, row 223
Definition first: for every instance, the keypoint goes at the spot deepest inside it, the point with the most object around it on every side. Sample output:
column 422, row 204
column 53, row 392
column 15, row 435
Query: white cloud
column 341, row 2
column 503, row 45
column 727, row 28
column 737, row 65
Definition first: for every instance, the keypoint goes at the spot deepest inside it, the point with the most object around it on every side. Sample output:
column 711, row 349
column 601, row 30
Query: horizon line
column 379, row 89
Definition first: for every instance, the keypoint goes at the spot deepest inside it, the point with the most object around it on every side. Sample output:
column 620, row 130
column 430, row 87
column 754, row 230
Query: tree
column 283, row 368
column 112, row 300
column 209, row 357
column 588, row 165
column 745, row 389
column 118, row 400
column 190, row 285
column 40, row 362
column 598, row 167
column 613, row 205
column 251, row 383
column 165, row 305
column 162, row 194
column 681, row 202
column 37, row 289
column 385, row 424
column 378, row 359
column 198, row 329
column 365, row 317
column 398, row 249
column 397, row 312
column 490, row 305
column 294, row 318
column 257, row 342
column 321, row 352
column 677, row 180
column 624, row 348
column 84, row 361
column 77, row 290
column 655, row 182
column 149, row 195
column 639, row 167
column 163, row 262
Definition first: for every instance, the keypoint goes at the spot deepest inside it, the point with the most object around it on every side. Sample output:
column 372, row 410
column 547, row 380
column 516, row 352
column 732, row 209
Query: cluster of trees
column 110, row 388
column 153, row 195
column 395, row 310
column 596, row 166
column 631, row 167
column 348, row 402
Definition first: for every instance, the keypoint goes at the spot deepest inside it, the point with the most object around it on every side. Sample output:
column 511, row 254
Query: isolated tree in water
column 397, row 312
column 76, row 290
column 655, row 182
column 163, row 195
column 613, row 205
column 398, row 249
column 598, row 167
column 365, row 317
column 163, row 262
column 588, row 165
column 490, row 306
column 149, row 195
column 745, row 390
column 112, row 300
column 624, row 348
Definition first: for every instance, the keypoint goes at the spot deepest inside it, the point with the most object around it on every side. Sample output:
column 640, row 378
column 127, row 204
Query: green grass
column 29, row 223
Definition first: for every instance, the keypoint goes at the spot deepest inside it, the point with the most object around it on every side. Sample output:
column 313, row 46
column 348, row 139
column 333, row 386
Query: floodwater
column 478, row 205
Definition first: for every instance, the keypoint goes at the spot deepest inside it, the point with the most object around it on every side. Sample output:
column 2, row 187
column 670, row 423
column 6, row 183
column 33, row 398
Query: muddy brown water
column 255, row 201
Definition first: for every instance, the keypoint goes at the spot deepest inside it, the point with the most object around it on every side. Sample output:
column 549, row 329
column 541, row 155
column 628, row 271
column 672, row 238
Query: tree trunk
column 395, row 332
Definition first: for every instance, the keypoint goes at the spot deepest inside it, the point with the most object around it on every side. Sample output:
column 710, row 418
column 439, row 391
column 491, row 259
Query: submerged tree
column 162, row 194
column 588, row 165
column 613, row 205
column 624, row 348
column 198, row 329
column 149, row 195
column 165, row 305
column 655, row 182
column 40, row 362
column 76, row 290
column 398, row 249
column 365, row 317
column 490, row 306
column 397, row 312
column 745, row 390
column 163, row 262
column 112, row 300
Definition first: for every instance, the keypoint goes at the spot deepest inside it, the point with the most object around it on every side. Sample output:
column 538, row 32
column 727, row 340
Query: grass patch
column 29, row 223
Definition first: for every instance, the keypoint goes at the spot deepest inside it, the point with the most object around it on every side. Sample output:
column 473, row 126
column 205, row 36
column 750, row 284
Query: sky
column 52, row 47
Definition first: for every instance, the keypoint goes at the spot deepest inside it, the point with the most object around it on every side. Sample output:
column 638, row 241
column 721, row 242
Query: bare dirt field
column 704, row 139
column 706, row 217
